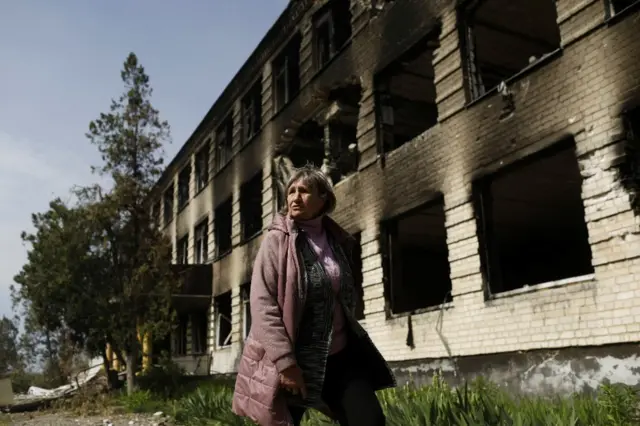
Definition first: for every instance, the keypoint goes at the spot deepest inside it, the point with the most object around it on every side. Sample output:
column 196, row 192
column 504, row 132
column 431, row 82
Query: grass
column 477, row 404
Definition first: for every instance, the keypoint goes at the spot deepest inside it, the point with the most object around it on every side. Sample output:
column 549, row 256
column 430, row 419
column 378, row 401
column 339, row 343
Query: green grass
column 476, row 404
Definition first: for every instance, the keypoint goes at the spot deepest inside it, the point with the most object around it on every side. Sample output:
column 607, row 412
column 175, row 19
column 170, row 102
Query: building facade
column 484, row 153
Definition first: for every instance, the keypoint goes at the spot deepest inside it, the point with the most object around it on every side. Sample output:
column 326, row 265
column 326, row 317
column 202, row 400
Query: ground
column 62, row 419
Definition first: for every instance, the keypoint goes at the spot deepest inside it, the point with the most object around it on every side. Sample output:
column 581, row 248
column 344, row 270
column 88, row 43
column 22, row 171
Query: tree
column 130, row 138
column 98, row 272
column 9, row 353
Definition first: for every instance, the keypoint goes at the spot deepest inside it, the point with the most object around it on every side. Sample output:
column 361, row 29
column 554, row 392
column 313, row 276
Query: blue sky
column 60, row 65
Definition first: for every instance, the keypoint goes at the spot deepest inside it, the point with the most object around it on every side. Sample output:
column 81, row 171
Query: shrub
column 478, row 403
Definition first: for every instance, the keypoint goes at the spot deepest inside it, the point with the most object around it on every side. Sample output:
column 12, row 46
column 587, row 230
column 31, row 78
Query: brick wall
column 579, row 92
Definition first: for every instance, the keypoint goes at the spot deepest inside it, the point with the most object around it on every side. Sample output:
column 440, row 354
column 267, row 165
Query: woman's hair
column 316, row 180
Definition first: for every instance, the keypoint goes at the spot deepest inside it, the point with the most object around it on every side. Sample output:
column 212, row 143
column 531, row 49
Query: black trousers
column 348, row 393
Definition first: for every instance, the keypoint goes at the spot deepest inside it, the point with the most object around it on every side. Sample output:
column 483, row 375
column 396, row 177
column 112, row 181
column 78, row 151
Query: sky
column 60, row 65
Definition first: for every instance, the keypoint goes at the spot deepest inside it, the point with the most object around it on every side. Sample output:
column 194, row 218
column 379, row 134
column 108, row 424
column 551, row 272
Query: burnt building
column 485, row 155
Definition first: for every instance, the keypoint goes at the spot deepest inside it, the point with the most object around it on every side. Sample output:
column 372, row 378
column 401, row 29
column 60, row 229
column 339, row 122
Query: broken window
column 617, row 6
column 406, row 96
column 224, row 143
column 222, row 306
column 167, row 200
column 251, row 207
column 246, row 309
column 505, row 36
column 199, row 326
column 202, row 242
column 357, row 275
column 202, row 167
column 417, row 274
column 180, row 335
column 252, row 112
column 629, row 169
column 531, row 221
column 286, row 73
column 308, row 145
column 223, row 227
column 183, row 186
column 331, row 31
column 155, row 214
column 182, row 250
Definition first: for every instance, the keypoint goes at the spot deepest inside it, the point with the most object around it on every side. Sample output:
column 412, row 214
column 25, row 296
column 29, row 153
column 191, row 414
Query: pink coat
column 276, row 310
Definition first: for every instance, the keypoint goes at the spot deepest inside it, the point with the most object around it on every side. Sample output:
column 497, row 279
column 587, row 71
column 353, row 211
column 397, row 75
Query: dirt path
column 62, row 419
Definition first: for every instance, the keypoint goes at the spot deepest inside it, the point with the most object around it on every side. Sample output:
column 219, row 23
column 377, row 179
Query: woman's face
column 303, row 201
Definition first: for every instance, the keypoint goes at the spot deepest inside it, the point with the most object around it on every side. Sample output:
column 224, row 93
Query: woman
column 305, row 348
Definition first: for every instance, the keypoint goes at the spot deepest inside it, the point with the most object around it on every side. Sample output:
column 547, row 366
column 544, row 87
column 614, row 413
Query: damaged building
column 485, row 154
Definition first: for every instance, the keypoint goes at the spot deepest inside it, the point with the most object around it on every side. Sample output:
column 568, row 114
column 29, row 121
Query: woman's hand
column 291, row 380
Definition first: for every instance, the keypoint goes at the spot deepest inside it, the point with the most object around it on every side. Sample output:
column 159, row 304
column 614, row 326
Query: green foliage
column 98, row 270
column 163, row 379
column 9, row 354
column 141, row 401
column 476, row 404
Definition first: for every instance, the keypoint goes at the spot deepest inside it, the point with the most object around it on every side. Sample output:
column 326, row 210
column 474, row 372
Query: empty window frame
column 222, row 306
column 246, row 309
column 201, row 243
column 223, row 227
column 167, row 201
column 180, row 335
column 331, row 31
column 252, row 112
column 182, row 250
column 251, row 206
column 199, row 329
column 406, row 96
column 629, row 168
column 531, row 221
column 202, row 167
column 358, row 275
column 503, row 37
column 286, row 73
column 156, row 219
column 224, row 143
column 617, row 6
column 184, row 179
column 416, row 259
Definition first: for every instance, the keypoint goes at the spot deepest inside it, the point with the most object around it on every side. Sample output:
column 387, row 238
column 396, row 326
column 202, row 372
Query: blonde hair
column 316, row 179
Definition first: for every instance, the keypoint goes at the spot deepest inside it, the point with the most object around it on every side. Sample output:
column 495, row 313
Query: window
column 531, row 221
column 251, row 206
column 416, row 259
column 630, row 167
column 252, row 112
column 182, row 249
column 617, row 6
column 223, row 319
column 331, row 31
column 202, row 167
column 180, row 336
column 502, row 39
column 222, row 227
column 246, row 309
column 156, row 219
column 286, row 73
column 224, row 143
column 199, row 326
column 167, row 200
column 202, row 242
column 357, row 275
column 183, row 186
column 406, row 96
